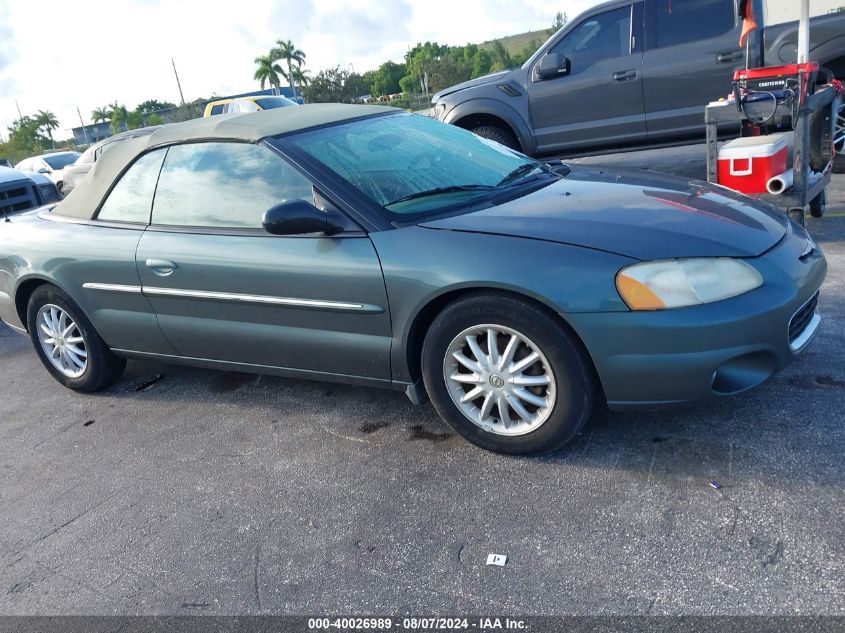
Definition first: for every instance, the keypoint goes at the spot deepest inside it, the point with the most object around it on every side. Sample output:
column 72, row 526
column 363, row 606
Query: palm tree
column 119, row 114
column 48, row 121
column 268, row 71
column 290, row 53
column 301, row 77
column 100, row 114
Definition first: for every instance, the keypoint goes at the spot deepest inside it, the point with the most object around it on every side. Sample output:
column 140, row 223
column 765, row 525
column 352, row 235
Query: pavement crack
column 255, row 576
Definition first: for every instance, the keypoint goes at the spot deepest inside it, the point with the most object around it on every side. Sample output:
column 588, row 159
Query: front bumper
column 651, row 359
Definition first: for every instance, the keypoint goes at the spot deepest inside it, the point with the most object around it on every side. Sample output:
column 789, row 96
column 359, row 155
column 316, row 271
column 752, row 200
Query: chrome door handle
column 624, row 75
column 727, row 58
column 161, row 267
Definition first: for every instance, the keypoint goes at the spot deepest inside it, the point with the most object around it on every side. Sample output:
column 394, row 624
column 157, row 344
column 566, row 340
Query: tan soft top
column 251, row 127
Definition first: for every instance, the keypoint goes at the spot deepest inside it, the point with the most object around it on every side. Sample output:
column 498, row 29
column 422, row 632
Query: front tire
column 506, row 375
column 67, row 344
column 498, row 134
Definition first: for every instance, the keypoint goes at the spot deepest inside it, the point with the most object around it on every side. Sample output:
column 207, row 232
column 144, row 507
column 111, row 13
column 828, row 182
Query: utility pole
column 20, row 116
column 181, row 96
column 84, row 131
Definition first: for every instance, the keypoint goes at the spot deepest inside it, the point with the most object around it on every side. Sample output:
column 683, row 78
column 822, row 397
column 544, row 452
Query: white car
column 51, row 165
column 73, row 173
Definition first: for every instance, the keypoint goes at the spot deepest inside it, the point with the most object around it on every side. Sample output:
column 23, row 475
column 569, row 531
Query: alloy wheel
column 62, row 341
column 499, row 379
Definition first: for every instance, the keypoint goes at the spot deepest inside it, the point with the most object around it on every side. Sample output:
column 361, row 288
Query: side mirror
column 295, row 218
column 553, row 65
column 43, row 170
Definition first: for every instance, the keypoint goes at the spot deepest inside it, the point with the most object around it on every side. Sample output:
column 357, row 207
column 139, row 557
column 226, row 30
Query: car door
column 104, row 272
column 692, row 49
column 226, row 290
column 599, row 101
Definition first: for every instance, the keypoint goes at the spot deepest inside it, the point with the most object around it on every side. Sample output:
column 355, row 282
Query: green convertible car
column 364, row 244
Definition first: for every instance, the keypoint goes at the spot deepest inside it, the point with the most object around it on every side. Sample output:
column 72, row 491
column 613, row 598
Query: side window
column 227, row 185
column 132, row 197
column 600, row 37
column 217, row 109
column 680, row 21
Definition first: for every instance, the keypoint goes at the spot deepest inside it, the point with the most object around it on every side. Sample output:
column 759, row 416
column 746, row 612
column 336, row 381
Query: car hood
column 479, row 81
column 638, row 214
column 7, row 174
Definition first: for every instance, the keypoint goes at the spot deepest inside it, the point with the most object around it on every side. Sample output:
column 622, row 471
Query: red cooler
column 747, row 164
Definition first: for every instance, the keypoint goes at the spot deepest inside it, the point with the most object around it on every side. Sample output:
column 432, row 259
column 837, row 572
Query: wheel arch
column 471, row 114
column 24, row 291
column 428, row 311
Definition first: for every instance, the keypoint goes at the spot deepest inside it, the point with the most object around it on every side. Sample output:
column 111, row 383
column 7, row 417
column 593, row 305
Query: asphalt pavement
column 186, row 491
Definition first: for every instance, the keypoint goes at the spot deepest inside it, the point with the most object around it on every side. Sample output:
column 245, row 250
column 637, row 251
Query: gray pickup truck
column 630, row 73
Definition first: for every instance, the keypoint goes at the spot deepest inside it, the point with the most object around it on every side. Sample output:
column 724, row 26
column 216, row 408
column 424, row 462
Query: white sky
column 59, row 54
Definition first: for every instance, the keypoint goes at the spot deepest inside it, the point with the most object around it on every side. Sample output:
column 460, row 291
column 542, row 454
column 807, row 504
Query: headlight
column 439, row 110
column 677, row 283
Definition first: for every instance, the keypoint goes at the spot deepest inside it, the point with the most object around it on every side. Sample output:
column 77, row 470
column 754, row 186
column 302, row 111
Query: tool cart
column 777, row 108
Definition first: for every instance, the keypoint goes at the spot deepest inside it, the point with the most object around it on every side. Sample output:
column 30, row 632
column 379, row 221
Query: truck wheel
column 839, row 142
column 498, row 134
column 818, row 205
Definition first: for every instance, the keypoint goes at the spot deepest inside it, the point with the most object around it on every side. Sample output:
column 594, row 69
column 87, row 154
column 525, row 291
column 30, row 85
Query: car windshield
column 410, row 164
column 267, row 103
column 61, row 160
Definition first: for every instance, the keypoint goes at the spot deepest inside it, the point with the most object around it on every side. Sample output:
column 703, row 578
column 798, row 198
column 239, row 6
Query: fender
column 829, row 51
column 498, row 109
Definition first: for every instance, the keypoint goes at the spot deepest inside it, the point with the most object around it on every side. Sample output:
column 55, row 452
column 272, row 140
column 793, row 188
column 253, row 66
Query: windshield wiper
column 438, row 190
column 520, row 172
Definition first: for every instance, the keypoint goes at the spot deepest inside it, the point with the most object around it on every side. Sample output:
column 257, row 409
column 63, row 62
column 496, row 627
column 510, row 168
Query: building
column 95, row 132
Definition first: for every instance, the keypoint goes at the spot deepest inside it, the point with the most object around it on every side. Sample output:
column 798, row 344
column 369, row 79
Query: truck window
column 217, row 109
column 680, row 21
column 603, row 36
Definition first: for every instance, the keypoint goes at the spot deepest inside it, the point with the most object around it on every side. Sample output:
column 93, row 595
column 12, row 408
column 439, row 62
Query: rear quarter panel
column 68, row 255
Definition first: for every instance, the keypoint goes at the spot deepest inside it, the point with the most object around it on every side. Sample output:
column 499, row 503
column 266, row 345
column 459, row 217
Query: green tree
column 291, row 54
column 560, row 20
column 134, row 120
column 155, row 119
column 268, row 71
column 386, row 79
column 481, row 64
column 25, row 135
column 100, row 114
column 153, row 105
column 334, row 85
column 421, row 59
column 409, row 84
column 119, row 114
column 502, row 59
column 47, row 121
column 301, row 77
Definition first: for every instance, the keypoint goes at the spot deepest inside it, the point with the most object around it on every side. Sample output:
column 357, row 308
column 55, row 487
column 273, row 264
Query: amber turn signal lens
column 637, row 295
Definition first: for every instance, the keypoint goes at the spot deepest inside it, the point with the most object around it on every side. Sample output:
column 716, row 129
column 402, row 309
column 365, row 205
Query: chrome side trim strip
column 113, row 288
column 807, row 334
column 262, row 299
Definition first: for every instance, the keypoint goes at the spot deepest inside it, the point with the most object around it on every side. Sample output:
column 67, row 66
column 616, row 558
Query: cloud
column 8, row 50
column 360, row 29
column 290, row 19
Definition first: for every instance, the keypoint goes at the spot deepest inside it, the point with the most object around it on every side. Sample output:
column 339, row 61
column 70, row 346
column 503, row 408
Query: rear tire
column 546, row 402
column 499, row 134
column 67, row 343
